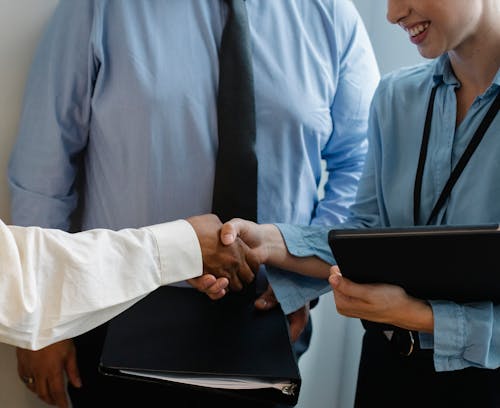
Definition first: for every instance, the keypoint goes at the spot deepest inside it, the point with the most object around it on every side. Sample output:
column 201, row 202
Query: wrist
column 272, row 244
column 418, row 316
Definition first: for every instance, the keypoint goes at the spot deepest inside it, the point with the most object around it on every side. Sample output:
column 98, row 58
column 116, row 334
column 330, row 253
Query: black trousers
column 103, row 391
column 388, row 379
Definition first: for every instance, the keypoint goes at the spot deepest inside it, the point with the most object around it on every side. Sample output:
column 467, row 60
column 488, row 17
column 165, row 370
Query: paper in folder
column 457, row 263
column 180, row 337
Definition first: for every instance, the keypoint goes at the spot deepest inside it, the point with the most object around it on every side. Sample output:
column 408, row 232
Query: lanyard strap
column 462, row 162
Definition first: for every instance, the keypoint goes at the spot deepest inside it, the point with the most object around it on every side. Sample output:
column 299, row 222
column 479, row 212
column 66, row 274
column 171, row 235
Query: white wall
column 21, row 22
column 390, row 42
column 329, row 367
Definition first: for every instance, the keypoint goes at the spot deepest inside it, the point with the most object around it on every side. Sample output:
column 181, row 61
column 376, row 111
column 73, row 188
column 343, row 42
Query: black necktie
column 235, row 186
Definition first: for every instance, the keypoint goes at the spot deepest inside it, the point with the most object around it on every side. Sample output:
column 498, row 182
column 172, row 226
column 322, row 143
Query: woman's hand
column 382, row 303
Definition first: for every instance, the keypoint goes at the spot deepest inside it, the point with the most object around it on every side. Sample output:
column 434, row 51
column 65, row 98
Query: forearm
column 56, row 285
column 277, row 255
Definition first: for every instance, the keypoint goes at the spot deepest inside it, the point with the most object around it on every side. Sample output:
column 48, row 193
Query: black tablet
column 458, row 263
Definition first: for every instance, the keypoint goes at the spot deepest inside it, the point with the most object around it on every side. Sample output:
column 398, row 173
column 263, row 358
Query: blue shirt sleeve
column 357, row 79
column 465, row 335
column 54, row 120
column 343, row 154
column 294, row 290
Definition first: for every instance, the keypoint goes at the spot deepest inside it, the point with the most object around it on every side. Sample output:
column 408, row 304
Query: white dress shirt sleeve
column 55, row 285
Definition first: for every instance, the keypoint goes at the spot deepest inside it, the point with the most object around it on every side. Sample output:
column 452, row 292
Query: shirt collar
column 443, row 73
column 496, row 79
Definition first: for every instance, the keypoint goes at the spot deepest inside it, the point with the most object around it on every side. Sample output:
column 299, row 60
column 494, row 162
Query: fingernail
column 227, row 238
column 262, row 302
column 335, row 278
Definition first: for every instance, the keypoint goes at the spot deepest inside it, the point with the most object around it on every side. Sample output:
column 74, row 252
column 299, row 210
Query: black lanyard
column 464, row 159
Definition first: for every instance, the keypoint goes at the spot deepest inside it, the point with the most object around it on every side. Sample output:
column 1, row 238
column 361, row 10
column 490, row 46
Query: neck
column 477, row 60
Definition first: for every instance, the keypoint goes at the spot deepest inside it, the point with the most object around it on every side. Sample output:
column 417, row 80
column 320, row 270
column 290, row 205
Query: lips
column 417, row 32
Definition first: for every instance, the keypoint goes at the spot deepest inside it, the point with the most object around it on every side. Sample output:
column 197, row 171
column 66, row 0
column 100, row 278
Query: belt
column 402, row 341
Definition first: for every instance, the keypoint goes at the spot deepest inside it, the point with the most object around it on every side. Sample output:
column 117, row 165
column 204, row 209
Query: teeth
column 418, row 29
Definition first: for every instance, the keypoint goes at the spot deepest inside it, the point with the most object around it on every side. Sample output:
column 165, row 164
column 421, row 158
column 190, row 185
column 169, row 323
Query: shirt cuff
column 449, row 337
column 179, row 251
column 307, row 240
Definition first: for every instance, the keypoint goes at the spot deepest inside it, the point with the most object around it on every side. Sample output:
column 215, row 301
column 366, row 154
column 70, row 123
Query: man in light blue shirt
column 126, row 91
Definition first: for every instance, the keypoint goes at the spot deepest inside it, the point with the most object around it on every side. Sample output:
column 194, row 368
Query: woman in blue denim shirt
column 456, row 356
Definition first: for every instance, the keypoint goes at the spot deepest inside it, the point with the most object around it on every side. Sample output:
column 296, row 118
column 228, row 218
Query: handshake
column 231, row 252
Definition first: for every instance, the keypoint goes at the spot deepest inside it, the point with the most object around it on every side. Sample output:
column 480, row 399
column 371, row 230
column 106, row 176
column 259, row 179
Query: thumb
column 231, row 230
column 335, row 278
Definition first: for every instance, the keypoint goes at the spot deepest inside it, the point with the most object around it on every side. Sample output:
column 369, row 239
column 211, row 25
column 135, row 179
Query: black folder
column 179, row 337
column 457, row 263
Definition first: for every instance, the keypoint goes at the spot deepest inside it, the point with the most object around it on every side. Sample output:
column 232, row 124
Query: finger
column 23, row 371
column 297, row 325
column 267, row 300
column 72, row 371
column 335, row 269
column 335, row 279
column 217, row 295
column 235, row 283
column 42, row 390
column 346, row 304
column 231, row 230
column 253, row 261
column 219, row 285
column 231, row 271
column 56, row 389
column 348, row 288
column 339, row 286
column 295, row 329
column 251, row 265
column 247, row 268
column 203, row 282
column 28, row 381
column 246, row 274
column 295, row 332
column 214, row 287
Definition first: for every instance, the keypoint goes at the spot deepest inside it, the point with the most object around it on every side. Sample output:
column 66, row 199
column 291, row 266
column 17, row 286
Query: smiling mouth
column 418, row 29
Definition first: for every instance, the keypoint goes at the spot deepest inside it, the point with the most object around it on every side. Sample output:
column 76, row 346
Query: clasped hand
column 225, row 267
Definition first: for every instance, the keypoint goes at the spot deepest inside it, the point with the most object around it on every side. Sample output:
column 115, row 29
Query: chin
column 429, row 54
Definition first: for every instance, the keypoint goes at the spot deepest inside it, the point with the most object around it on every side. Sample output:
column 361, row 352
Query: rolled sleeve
column 303, row 241
column 464, row 335
column 294, row 290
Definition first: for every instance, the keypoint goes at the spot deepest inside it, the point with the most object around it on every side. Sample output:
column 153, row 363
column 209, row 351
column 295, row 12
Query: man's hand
column 297, row 320
column 214, row 288
column 266, row 244
column 233, row 262
column 43, row 371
